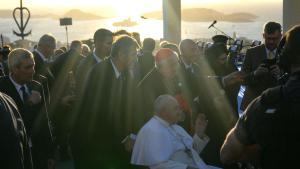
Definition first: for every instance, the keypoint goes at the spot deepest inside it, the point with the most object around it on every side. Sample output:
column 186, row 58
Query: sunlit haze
column 45, row 14
column 125, row 7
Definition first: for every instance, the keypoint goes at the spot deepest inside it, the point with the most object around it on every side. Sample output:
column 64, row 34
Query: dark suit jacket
column 192, row 78
column 63, row 68
column 28, row 113
column 102, row 120
column 14, row 147
column 40, row 64
column 41, row 68
column 66, row 62
column 153, row 85
column 82, row 70
column 146, row 62
column 255, row 85
column 35, row 117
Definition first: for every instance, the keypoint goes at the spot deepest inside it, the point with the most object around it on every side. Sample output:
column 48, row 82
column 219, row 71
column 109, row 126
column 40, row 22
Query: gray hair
column 162, row 102
column 16, row 56
column 47, row 40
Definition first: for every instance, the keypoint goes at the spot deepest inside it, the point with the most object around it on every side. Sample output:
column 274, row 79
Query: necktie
column 24, row 94
column 271, row 55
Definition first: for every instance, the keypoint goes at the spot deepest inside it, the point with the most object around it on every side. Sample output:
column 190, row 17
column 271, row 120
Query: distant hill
column 76, row 14
column 206, row 15
column 5, row 13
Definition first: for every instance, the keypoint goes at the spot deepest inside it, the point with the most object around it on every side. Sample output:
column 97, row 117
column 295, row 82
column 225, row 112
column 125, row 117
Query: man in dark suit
column 28, row 96
column 268, row 131
column 63, row 94
column 14, row 147
column 103, row 121
column 68, row 61
column 166, row 78
column 191, row 71
column 43, row 52
column 103, row 39
column 260, row 64
column 145, row 57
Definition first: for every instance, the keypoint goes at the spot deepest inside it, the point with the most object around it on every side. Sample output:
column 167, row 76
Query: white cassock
column 160, row 145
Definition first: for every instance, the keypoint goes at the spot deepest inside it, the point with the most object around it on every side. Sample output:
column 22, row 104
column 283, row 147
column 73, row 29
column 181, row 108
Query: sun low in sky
column 119, row 7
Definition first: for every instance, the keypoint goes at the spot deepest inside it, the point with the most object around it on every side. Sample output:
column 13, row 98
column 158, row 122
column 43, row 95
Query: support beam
column 291, row 14
column 172, row 20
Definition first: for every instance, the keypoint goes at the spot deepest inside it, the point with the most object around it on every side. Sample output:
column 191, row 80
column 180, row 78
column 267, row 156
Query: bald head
column 47, row 45
column 189, row 50
column 184, row 44
column 167, row 108
column 47, row 40
column 167, row 63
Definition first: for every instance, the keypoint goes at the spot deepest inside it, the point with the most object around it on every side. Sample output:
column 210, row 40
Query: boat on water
column 125, row 23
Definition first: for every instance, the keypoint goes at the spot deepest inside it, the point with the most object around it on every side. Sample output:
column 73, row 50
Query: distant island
column 189, row 15
column 206, row 15
column 75, row 14
column 125, row 23
column 80, row 15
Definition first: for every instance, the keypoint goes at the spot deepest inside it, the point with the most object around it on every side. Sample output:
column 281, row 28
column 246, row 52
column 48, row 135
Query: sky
column 127, row 7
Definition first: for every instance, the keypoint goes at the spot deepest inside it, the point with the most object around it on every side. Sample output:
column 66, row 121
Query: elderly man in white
column 162, row 144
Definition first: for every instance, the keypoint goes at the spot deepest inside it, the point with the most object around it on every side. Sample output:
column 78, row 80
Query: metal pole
column 21, row 15
column 172, row 20
column 222, row 32
column 67, row 37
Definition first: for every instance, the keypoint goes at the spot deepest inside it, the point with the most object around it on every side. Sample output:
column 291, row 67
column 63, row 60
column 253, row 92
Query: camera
column 233, row 48
column 255, row 43
column 268, row 63
column 4, row 52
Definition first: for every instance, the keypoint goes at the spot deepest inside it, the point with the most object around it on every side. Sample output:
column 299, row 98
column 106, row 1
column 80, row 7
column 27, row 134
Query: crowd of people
column 123, row 103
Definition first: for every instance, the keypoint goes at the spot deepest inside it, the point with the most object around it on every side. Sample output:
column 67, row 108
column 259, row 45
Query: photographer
column 4, row 51
column 269, row 129
column 260, row 64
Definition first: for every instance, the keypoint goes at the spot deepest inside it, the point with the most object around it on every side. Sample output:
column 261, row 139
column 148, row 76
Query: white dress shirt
column 42, row 56
column 98, row 59
column 117, row 72
column 271, row 54
column 18, row 88
column 188, row 66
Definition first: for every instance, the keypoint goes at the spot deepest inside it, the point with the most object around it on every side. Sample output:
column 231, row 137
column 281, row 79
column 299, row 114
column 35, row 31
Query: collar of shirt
column 117, row 72
column 98, row 59
column 268, row 53
column 18, row 87
column 162, row 121
column 42, row 56
column 186, row 65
